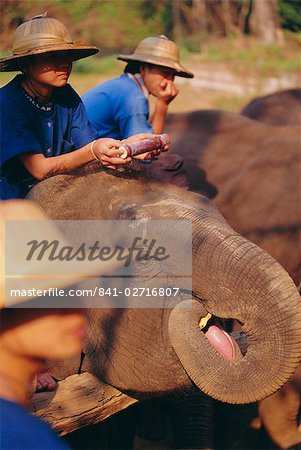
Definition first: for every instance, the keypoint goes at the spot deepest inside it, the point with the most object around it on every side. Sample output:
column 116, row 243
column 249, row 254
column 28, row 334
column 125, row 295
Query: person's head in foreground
column 30, row 336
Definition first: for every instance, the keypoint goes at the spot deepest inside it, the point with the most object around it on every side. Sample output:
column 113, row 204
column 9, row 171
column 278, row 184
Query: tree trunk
column 176, row 20
column 265, row 23
column 199, row 13
column 229, row 26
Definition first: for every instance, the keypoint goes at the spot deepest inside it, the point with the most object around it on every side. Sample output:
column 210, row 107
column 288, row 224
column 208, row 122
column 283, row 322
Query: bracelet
column 92, row 151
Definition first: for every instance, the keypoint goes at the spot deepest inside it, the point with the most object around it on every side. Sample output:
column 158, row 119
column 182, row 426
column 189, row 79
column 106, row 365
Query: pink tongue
column 221, row 341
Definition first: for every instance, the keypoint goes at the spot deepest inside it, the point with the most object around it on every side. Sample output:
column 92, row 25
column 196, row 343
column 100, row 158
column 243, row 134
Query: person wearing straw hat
column 119, row 108
column 44, row 127
column 28, row 337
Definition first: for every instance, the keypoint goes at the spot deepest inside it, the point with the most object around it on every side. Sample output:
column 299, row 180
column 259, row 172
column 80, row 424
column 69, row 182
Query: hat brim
column 181, row 71
column 12, row 63
column 38, row 274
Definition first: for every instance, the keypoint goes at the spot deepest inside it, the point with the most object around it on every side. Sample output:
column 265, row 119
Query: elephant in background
column 280, row 108
column 255, row 170
column 252, row 171
column 280, row 412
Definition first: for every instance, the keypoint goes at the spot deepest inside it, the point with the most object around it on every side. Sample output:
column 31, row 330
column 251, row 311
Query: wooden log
column 79, row 400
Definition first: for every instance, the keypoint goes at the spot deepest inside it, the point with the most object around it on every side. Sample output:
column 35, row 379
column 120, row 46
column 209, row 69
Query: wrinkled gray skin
column 252, row 171
column 151, row 351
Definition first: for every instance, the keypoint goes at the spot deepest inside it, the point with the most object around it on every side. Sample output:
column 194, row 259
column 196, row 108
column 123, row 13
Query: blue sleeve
column 81, row 130
column 17, row 135
column 22, row 431
column 135, row 124
column 133, row 116
column 97, row 107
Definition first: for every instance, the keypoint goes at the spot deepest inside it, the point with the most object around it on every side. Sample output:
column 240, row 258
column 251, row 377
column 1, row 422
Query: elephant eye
column 147, row 263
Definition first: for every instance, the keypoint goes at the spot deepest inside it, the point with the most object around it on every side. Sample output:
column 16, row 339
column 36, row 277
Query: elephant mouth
column 222, row 342
column 230, row 345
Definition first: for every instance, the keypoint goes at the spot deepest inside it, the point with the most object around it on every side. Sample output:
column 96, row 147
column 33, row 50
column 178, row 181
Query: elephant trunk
column 235, row 279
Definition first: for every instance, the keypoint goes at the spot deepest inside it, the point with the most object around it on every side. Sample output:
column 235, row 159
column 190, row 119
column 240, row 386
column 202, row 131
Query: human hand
column 150, row 148
column 140, row 137
column 167, row 91
column 152, row 155
column 106, row 151
column 136, row 138
column 148, row 156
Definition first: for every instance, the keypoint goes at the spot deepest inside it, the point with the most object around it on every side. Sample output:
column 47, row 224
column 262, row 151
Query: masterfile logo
column 140, row 250
column 119, row 263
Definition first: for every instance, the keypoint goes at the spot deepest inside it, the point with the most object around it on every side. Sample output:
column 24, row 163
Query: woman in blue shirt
column 44, row 127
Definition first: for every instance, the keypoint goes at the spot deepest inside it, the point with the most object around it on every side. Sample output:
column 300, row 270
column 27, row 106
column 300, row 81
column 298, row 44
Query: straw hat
column 29, row 220
column 39, row 35
column 159, row 51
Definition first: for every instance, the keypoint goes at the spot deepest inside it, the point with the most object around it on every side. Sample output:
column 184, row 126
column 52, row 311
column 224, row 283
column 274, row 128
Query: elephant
column 279, row 108
column 136, row 349
column 280, row 412
column 252, row 171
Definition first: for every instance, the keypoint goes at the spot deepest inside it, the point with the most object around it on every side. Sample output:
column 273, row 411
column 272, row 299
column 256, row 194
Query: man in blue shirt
column 44, row 127
column 119, row 107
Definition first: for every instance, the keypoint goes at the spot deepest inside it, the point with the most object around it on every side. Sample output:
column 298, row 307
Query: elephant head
column 159, row 350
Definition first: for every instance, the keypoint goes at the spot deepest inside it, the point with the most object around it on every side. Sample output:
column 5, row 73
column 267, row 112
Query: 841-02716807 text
column 139, row 292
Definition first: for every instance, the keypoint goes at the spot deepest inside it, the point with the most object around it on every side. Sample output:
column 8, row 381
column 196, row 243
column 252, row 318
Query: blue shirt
column 28, row 127
column 118, row 108
column 20, row 430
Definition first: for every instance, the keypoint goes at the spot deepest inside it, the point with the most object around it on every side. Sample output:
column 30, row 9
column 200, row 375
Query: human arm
column 168, row 91
column 105, row 151
column 134, row 118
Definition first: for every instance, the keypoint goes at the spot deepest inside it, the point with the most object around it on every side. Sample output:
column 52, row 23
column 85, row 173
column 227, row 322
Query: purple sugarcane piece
column 147, row 145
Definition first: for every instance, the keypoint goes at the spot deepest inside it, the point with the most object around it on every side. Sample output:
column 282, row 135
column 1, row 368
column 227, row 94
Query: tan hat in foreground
column 33, row 222
column 43, row 35
column 159, row 51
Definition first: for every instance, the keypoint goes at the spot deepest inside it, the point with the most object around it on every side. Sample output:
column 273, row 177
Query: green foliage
column 255, row 58
column 118, row 25
column 110, row 24
column 191, row 45
column 115, row 25
column 104, row 65
column 290, row 14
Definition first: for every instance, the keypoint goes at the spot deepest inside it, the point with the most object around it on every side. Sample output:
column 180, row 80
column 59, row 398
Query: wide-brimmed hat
column 40, row 35
column 159, row 51
column 20, row 219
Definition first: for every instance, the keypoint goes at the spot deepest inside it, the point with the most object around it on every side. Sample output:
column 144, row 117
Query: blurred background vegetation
column 259, row 38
